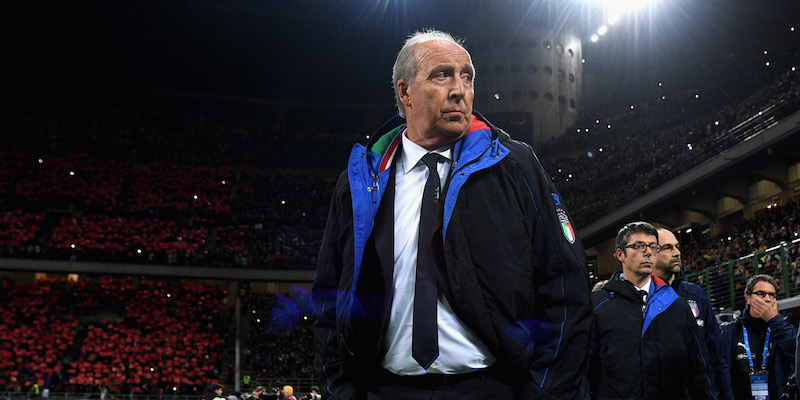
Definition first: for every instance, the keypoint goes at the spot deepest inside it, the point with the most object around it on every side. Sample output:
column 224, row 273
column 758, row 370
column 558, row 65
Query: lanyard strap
column 750, row 355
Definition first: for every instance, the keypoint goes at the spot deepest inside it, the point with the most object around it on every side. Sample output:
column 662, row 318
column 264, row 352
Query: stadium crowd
column 76, row 207
column 281, row 340
column 87, row 180
column 658, row 144
column 119, row 335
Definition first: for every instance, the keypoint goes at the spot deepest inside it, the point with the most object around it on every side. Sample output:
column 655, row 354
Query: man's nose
column 459, row 88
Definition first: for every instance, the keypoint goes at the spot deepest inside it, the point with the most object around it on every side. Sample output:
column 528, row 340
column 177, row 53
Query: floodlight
column 620, row 7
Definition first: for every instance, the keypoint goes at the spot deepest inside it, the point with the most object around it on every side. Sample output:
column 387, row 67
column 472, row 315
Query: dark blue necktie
column 425, row 340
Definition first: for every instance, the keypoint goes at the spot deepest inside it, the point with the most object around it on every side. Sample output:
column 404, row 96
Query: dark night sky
column 336, row 51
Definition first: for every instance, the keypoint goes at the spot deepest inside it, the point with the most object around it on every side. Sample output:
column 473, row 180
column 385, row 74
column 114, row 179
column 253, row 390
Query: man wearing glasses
column 645, row 341
column 759, row 346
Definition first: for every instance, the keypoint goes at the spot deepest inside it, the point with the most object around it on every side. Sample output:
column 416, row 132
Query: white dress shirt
column 460, row 350
column 645, row 287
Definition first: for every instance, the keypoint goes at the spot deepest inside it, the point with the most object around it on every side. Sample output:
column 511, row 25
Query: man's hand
column 760, row 308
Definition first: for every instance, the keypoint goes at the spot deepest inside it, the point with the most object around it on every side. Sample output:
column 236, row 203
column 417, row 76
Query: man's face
column 634, row 263
column 769, row 300
column 668, row 260
column 438, row 104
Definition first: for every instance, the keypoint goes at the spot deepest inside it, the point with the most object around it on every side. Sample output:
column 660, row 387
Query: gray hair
column 635, row 227
column 405, row 66
column 751, row 283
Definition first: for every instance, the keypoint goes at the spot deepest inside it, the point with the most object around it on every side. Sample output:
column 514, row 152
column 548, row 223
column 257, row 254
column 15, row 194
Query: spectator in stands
column 287, row 393
column 216, row 388
column 314, row 394
column 668, row 267
column 629, row 356
column 500, row 336
column 759, row 347
column 257, row 392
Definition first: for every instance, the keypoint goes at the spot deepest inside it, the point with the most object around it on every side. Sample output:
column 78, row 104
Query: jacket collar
column 385, row 141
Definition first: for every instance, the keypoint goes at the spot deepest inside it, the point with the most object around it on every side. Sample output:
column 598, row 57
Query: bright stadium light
column 622, row 7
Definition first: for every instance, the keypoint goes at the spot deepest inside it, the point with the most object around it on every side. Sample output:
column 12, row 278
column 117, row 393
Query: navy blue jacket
column 698, row 301
column 780, row 361
column 649, row 350
column 513, row 269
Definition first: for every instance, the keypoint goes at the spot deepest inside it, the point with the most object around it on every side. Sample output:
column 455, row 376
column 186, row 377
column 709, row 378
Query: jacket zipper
column 374, row 192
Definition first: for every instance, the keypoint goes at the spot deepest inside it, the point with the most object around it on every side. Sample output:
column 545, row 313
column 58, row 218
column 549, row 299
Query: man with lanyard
column 633, row 314
column 758, row 347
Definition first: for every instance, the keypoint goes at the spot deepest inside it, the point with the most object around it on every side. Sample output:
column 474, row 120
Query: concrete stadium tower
column 529, row 78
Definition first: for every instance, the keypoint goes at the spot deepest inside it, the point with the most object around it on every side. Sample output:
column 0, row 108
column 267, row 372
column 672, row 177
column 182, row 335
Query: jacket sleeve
column 593, row 370
column 562, row 291
column 330, row 359
column 796, row 360
column 701, row 383
column 728, row 332
column 784, row 337
column 712, row 339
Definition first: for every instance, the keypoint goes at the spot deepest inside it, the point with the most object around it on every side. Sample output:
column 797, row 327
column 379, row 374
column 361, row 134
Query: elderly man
column 645, row 341
column 449, row 266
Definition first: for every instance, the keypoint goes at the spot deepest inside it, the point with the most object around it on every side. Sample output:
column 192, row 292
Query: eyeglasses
column 640, row 247
column 764, row 294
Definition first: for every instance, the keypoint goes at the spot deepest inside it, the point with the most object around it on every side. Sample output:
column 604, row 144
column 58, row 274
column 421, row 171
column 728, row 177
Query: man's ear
column 620, row 254
column 402, row 92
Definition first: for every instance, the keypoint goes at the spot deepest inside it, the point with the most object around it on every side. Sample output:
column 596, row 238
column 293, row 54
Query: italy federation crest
column 693, row 306
column 566, row 226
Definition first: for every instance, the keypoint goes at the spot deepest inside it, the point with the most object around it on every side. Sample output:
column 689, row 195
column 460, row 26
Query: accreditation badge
column 759, row 386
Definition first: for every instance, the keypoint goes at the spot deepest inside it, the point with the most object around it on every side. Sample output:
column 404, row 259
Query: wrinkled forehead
column 437, row 52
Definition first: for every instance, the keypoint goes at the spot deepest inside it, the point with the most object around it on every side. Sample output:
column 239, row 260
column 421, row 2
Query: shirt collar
column 646, row 286
column 412, row 153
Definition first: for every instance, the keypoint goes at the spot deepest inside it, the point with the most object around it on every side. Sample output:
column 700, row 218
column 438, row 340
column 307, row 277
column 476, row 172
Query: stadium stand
column 121, row 335
column 93, row 174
